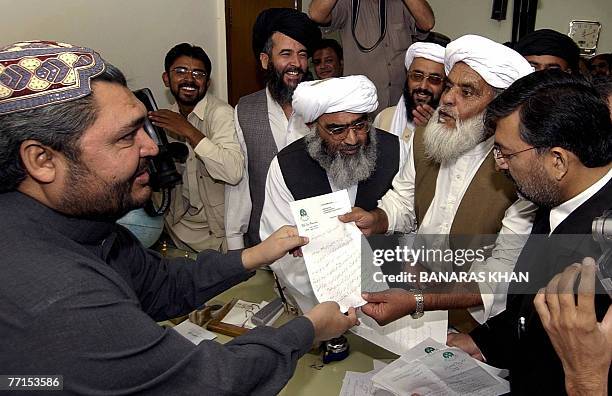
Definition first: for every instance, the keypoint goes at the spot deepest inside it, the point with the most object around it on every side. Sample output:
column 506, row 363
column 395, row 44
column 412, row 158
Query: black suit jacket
column 515, row 339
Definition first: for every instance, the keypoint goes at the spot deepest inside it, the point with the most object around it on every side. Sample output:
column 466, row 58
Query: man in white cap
column 342, row 151
column 424, row 83
column 449, row 186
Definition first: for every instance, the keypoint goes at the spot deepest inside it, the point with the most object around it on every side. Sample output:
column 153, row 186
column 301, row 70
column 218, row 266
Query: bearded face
column 345, row 166
column 448, row 141
column 281, row 88
column 285, row 66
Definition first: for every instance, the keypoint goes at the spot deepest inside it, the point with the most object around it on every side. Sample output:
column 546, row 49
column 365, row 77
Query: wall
column 136, row 34
column 458, row 17
column 132, row 34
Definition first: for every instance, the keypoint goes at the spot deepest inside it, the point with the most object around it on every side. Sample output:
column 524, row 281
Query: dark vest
column 305, row 178
column 261, row 149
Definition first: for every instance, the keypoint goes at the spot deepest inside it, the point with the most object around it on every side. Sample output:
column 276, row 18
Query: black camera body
column 602, row 233
column 163, row 175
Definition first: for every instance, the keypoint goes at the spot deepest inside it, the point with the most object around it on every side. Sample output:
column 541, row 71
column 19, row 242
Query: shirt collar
column 273, row 106
column 198, row 110
column 561, row 212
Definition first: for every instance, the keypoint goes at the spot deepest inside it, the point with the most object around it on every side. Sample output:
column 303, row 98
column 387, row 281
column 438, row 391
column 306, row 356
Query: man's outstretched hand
column 282, row 241
column 389, row 305
column 374, row 222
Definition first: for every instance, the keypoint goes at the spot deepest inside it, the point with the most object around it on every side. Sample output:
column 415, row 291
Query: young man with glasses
column 195, row 220
column 342, row 151
column 424, row 84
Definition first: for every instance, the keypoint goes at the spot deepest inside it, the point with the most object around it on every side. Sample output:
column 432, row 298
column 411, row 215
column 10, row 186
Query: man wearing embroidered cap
column 283, row 38
column 449, row 185
column 342, row 151
column 80, row 295
column 424, row 83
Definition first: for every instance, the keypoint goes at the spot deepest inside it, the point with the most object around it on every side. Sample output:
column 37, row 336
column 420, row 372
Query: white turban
column 497, row 64
column 430, row 51
column 353, row 94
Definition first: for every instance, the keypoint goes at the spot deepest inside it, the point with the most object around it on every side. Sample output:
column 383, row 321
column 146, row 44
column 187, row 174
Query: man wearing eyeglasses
column 342, row 151
column 449, row 187
column 424, row 83
column 561, row 161
column 195, row 219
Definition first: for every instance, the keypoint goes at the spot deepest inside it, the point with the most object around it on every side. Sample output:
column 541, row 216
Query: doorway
column 244, row 75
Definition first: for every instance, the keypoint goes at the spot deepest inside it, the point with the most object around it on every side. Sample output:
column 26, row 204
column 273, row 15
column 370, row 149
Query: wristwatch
column 420, row 306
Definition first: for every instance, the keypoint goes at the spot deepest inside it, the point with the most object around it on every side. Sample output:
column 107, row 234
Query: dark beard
column 182, row 102
column 281, row 93
column 411, row 104
column 344, row 170
column 537, row 187
column 87, row 196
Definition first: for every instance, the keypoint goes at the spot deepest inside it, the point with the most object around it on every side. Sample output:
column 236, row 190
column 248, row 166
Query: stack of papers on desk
column 431, row 368
column 360, row 384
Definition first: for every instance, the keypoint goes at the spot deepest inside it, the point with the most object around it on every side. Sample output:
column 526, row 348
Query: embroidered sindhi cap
column 39, row 73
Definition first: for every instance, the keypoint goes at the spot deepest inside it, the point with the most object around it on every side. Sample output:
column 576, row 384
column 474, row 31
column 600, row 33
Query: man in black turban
column 549, row 49
column 283, row 38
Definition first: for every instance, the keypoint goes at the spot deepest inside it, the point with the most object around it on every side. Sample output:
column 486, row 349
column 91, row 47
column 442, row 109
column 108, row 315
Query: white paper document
column 193, row 332
column 431, row 368
column 360, row 384
column 333, row 253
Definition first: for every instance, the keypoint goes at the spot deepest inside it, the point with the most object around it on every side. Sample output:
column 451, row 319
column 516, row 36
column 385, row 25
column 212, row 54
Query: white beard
column 446, row 144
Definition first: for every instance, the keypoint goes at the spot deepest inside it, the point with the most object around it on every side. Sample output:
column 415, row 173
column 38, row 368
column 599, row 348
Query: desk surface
column 311, row 377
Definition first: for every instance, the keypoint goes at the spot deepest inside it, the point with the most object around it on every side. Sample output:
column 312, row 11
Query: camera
column 162, row 170
column 602, row 234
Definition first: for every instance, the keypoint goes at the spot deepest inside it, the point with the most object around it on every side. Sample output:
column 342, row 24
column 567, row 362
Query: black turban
column 550, row 42
column 288, row 21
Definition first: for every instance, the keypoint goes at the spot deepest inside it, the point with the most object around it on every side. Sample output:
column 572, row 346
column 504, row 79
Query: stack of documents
column 360, row 384
column 431, row 368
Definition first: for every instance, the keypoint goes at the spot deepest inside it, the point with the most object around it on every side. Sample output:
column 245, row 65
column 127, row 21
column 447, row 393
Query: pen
column 280, row 292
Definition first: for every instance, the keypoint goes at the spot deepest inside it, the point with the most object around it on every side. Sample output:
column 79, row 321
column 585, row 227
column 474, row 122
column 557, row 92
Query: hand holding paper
column 333, row 254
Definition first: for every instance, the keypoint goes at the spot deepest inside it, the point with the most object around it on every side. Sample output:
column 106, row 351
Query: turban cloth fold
column 550, row 42
column 429, row 51
column 352, row 94
column 287, row 21
column 497, row 64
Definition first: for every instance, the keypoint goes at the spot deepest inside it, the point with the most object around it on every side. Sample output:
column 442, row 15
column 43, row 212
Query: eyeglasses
column 341, row 131
column 502, row 158
column 434, row 79
column 183, row 72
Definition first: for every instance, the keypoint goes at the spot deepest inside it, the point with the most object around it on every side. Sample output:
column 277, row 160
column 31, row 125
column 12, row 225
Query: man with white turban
column 424, row 83
column 342, row 151
column 449, row 187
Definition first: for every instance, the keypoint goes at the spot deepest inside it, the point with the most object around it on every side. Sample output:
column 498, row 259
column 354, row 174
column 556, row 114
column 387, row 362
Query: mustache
column 422, row 91
column 143, row 166
column 187, row 85
column 293, row 69
column 448, row 112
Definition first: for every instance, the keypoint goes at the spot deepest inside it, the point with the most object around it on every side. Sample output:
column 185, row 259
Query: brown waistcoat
column 479, row 215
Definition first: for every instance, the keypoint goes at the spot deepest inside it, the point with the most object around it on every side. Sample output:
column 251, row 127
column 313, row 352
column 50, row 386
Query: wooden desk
column 311, row 377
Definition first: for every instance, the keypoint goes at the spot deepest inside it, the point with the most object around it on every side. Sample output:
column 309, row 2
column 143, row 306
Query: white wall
column 132, row 34
column 136, row 34
column 458, row 17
